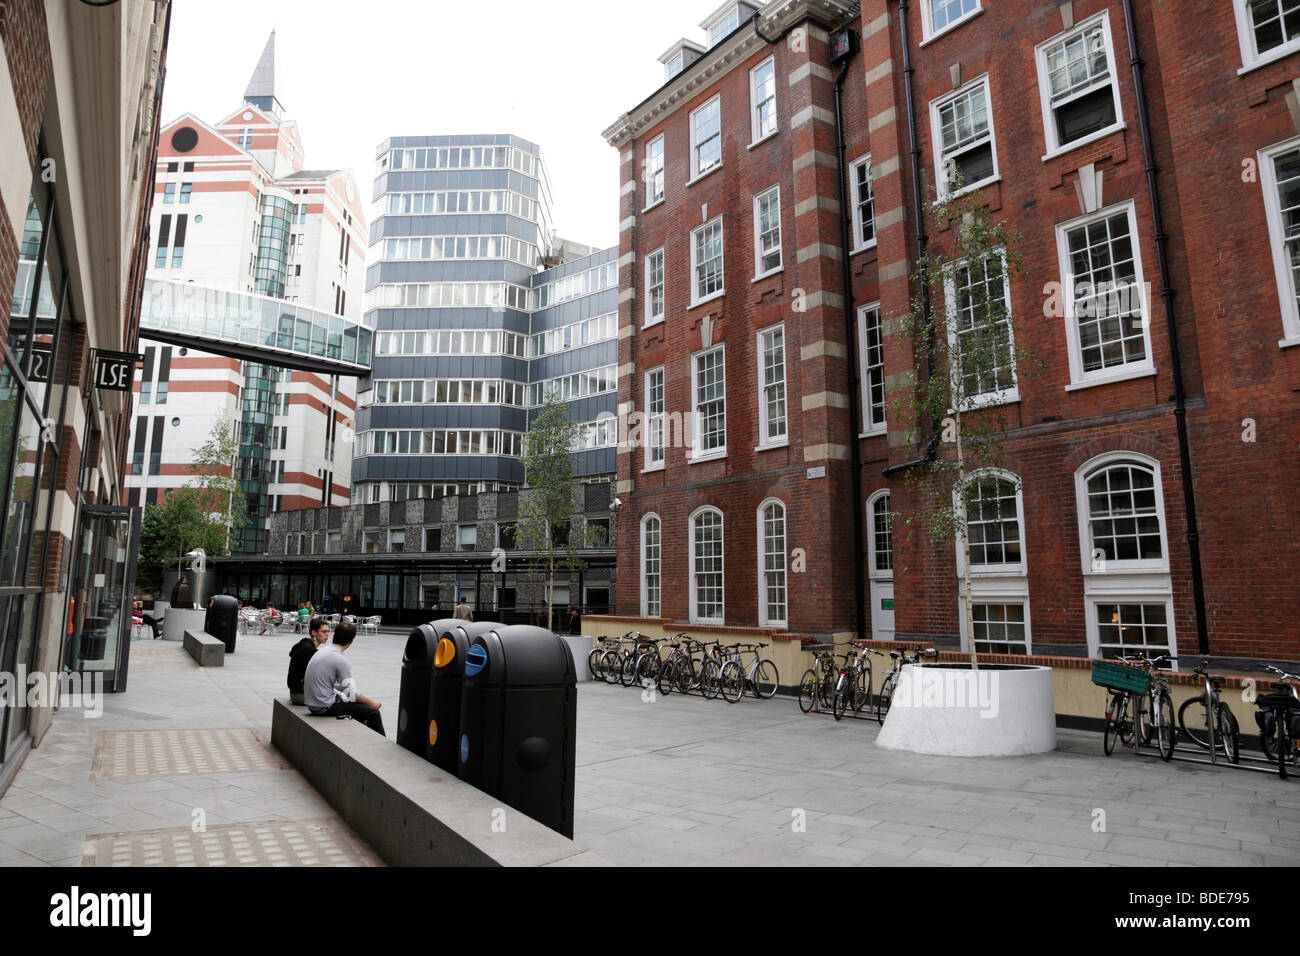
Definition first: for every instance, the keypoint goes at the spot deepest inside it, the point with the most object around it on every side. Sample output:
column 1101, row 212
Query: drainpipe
column 1167, row 293
column 855, row 388
column 922, row 238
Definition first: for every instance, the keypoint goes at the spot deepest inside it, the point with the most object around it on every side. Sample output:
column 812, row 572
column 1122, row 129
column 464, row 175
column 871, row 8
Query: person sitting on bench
column 328, row 687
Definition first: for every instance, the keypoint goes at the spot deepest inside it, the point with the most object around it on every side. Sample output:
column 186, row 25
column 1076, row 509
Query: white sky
column 354, row 72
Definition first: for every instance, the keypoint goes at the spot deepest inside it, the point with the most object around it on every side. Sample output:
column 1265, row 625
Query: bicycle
column 761, row 677
column 1134, row 679
column 1278, row 718
column 678, row 668
column 1225, row 730
column 629, row 666
column 818, row 681
column 853, row 685
column 890, row 683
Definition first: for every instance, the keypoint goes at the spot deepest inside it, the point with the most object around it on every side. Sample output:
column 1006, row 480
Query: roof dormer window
column 726, row 19
column 679, row 56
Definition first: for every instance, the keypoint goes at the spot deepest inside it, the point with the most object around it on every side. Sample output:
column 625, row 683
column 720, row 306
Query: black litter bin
column 442, row 746
column 222, row 620
column 518, row 723
column 413, row 694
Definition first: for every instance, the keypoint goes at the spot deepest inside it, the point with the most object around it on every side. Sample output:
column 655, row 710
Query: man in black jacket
column 302, row 652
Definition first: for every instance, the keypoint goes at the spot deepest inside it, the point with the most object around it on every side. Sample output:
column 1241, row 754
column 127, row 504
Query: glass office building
column 478, row 311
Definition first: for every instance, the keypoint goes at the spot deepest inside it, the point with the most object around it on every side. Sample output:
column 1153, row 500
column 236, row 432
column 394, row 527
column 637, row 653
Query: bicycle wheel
column 827, row 677
column 1115, row 715
column 1228, row 733
column 1164, row 719
column 886, row 696
column 862, row 688
column 710, row 679
column 840, row 697
column 733, row 682
column 687, row 680
column 611, row 665
column 627, row 673
column 647, row 667
column 766, row 680
column 593, row 662
column 667, row 676
column 1194, row 723
column 808, row 690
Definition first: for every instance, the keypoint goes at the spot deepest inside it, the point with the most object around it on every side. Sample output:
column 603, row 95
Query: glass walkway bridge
column 254, row 328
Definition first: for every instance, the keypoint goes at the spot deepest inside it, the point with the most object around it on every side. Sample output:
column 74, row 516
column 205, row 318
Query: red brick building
column 1094, row 129
column 79, row 122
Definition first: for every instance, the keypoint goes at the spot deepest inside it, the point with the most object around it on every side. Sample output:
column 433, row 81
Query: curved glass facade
column 272, row 268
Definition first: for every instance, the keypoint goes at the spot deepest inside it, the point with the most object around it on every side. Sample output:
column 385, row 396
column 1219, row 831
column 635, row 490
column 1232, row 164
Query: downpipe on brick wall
column 922, row 238
column 1167, row 293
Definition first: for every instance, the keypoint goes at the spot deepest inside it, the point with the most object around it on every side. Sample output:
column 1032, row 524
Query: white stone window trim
column 1002, row 396
column 763, row 619
column 758, row 249
column 936, row 139
column 870, row 429
column 662, row 463
column 856, row 201
column 1017, row 569
column 694, row 595
column 647, row 320
column 645, row 595
column 696, row 173
column 1252, row 59
column 1150, row 568
column 695, row 456
column 1053, row 147
column 755, row 135
column 1078, row 377
column 764, row 442
column 695, row 287
column 873, row 571
column 929, row 34
column 1286, row 290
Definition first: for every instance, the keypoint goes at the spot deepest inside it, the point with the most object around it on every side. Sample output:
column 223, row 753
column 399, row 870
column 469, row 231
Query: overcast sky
column 354, row 72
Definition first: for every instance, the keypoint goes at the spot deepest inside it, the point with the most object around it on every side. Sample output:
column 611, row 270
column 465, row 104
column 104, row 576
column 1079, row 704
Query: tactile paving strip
column 161, row 753
column 286, row 843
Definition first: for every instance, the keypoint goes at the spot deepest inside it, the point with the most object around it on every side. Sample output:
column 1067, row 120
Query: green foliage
column 548, row 499
column 217, row 484
column 965, row 353
column 204, row 514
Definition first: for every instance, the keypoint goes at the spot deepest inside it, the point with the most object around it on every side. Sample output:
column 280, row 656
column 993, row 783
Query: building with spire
column 237, row 208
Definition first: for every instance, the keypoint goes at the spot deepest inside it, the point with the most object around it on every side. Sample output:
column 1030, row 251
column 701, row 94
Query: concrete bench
column 207, row 650
column 409, row 811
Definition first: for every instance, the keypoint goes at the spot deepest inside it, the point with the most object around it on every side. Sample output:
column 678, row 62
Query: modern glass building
column 477, row 310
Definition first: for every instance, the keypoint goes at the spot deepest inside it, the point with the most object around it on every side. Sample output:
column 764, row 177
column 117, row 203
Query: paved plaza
column 667, row 781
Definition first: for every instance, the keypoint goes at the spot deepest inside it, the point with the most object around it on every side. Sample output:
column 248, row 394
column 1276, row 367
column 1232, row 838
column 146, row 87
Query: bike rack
column 1265, row 765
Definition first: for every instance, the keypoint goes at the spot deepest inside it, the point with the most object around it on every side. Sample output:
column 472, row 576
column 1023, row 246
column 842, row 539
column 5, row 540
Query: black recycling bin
column 518, row 723
column 222, row 620
column 413, row 695
column 442, row 745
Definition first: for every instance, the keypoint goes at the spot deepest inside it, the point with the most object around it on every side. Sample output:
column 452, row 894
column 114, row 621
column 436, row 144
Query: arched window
column 650, row 558
column 880, row 531
column 1124, row 516
column 771, row 564
column 1124, row 551
column 995, row 522
column 993, row 515
column 706, row 566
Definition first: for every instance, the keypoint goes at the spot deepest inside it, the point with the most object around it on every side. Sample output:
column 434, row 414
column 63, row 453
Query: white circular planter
column 1001, row 710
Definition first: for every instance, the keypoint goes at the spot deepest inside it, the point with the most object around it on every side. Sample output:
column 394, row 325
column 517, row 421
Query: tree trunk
column 550, row 594
column 965, row 548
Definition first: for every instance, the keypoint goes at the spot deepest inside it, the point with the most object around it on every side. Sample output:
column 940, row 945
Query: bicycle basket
column 1120, row 677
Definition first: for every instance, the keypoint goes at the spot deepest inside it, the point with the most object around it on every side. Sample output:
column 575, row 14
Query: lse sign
column 115, row 370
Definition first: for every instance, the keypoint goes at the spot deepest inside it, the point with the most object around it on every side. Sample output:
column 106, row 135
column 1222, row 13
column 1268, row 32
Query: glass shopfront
column 35, row 369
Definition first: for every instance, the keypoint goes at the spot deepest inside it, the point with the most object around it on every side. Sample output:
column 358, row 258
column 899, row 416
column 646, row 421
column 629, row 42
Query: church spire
column 261, row 86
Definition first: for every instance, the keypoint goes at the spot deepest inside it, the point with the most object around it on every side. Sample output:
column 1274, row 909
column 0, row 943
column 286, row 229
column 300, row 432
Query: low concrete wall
column 179, row 620
column 411, row 812
column 207, row 650
column 1079, row 702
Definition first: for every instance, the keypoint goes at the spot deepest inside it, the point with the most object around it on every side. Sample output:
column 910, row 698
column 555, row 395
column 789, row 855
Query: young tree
column 217, row 483
column 169, row 531
column 546, row 504
column 966, row 358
